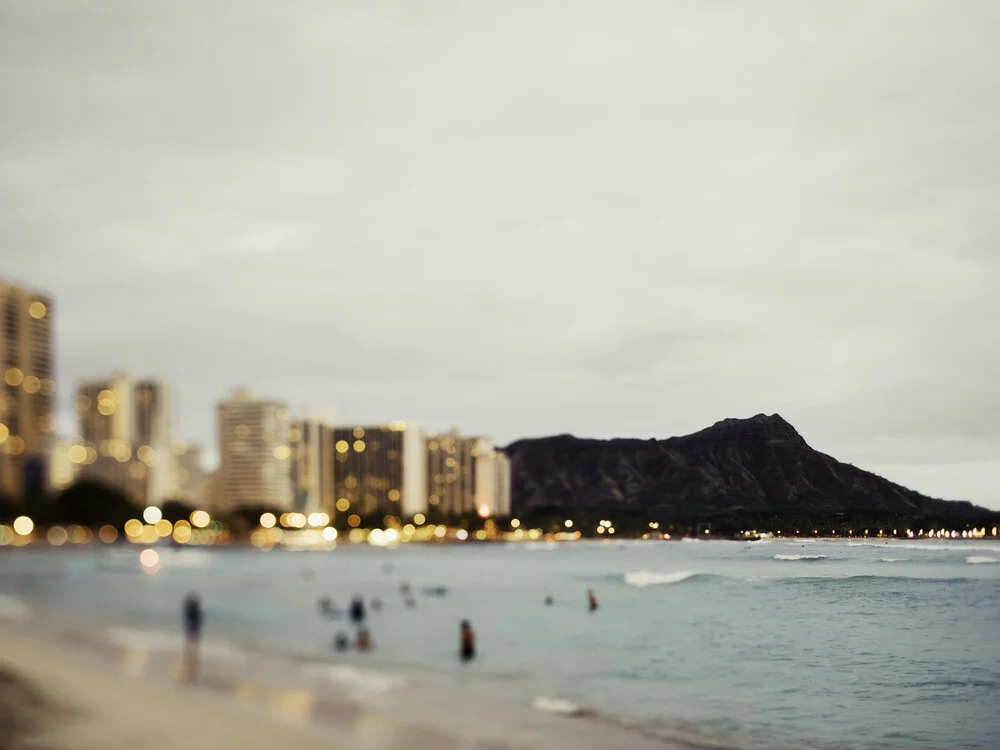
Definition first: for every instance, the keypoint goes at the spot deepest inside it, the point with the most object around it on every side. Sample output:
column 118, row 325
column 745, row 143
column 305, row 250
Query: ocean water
column 809, row 644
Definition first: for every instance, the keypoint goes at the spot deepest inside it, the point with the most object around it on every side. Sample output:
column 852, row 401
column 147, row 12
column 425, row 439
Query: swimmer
column 591, row 599
column 341, row 641
column 548, row 601
column 467, row 641
column 357, row 609
column 364, row 641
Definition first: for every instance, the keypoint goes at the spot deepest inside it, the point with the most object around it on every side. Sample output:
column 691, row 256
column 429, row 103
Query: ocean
column 791, row 644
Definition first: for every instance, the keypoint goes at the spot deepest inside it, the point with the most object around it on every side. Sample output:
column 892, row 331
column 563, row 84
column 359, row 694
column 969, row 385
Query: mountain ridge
column 759, row 466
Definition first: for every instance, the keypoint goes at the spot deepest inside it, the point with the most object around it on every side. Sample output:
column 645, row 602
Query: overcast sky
column 518, row 218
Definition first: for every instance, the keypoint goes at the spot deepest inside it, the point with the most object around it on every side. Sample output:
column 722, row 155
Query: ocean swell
column 800, row 557
column 643, row 578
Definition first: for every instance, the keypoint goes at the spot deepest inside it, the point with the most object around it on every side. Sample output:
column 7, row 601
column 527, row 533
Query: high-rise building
column 379, row 470
column 311, row 442
column 254, row 452
column 125, row 429
column 450, row 475
column 62, row 468
column 466, row 475
column 27, row 394
column 190, row 480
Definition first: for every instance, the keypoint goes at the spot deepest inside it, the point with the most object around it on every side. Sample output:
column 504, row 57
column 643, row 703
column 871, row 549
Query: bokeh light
column 23, row 525
column 152, row 514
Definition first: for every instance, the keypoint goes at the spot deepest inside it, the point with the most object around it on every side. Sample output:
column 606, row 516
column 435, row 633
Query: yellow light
column 122, row 452
column 77, row 454
column 480, row 535
column 534, row 534
column 147, row 455
column 80, row 535
column 57, row 536
column 359, row 446
column 462, row 534
column 409, row 529
column 241, row 431
column 133, row 527
column 152, row 514
column 298, row 520
column 318, row 519
column 163, row 528
column 611, row 529
column 4, row 432
column 148, row 534
column 484, row 511
column 282, row 452
column 356, row 535
column 440, row 531
column 354, row 520
column 275, row 535
column 23, row 525
column 37, row 310
column 391, row 535
column 13, row 376
column 394, row 495
column 600, row 529
column 568, row 524
column 15, row 445
column 267, row 520
column 390, row 520
column 342, row 446
column 343, row 504
column 359, row 432
column 32, row 384
column 182, row 534
column 419, row 519
column 200, row 519
column 515, row 523
column 107, row 534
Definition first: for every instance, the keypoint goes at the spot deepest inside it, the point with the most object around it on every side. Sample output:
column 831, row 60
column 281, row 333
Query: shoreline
column 89, row 690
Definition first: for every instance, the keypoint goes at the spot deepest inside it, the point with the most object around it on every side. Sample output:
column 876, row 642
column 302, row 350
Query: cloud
column 523, row 218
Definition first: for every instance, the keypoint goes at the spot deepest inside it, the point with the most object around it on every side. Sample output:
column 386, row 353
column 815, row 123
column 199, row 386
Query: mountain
column 756, row 468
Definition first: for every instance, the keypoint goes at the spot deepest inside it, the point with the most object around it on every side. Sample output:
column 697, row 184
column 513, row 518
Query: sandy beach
column 53, row 695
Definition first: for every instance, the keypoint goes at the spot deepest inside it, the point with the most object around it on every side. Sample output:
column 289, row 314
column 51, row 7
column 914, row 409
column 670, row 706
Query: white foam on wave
column 13, row 609
column 362, row 683
column 979, row 560
column 556, row 706
column 954, row 545
column 643, row 578
column 892, row 559
column 217, row 649
column 800, row 557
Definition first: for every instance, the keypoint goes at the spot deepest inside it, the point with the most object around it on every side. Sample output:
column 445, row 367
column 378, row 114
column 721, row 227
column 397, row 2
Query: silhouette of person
column 341, row 641
column 364, row 640
column 194, row 620
column 466, row 641
column 548, row 601
column 358, row 609
column 591, row 599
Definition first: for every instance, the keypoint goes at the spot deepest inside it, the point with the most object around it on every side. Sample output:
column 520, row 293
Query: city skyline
column 646, row 221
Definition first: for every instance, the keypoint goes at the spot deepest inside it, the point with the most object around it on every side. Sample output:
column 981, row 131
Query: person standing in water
column 467, row 641
column 194, row 620
column 591, row 599
column 358, row 609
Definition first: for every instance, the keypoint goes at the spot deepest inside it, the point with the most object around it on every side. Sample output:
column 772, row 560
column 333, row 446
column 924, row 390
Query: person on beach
column 364, row 641
column 548, row 601
column 467, row 641
column 358, row 609
column 341, row 641
column 591, row 599
column 193, row 621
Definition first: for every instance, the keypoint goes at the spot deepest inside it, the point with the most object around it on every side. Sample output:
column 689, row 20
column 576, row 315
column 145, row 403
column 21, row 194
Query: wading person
column 194, row 620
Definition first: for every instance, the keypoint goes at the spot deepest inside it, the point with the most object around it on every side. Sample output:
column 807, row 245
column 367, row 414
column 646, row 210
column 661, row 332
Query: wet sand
column 78, row 696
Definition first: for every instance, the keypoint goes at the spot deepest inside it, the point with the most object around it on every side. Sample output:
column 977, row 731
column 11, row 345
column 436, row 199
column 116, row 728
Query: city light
column 515, row 523
column 318, row 520
column 107, row 534
column 568, row 523
column 462, row 535
column 267, row 520
column 57, row 536
column 200, row 519
column 23, row 525
column 149, row 559
column 484, row 511
column 152, row 514
column 419, row 520
column 329, row 534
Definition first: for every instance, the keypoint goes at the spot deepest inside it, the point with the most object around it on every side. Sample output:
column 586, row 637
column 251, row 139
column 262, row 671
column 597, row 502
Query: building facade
column 125, row 426
column 254, row 452
column 466, row 475
column 379, row 470
column 27, row 392
column 190, row 481
column 312, row 445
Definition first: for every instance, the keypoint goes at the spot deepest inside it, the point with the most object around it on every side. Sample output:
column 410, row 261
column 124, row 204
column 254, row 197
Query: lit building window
column 359, row 432
column 359, row 446
column 343, row 505
column 342, row 446
column 32, row 384
column 37, row 310
column 13, row 376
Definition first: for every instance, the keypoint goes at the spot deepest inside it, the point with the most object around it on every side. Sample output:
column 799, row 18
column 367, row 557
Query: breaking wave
column 800, row 557
column 978, row 560
column 643, row 578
